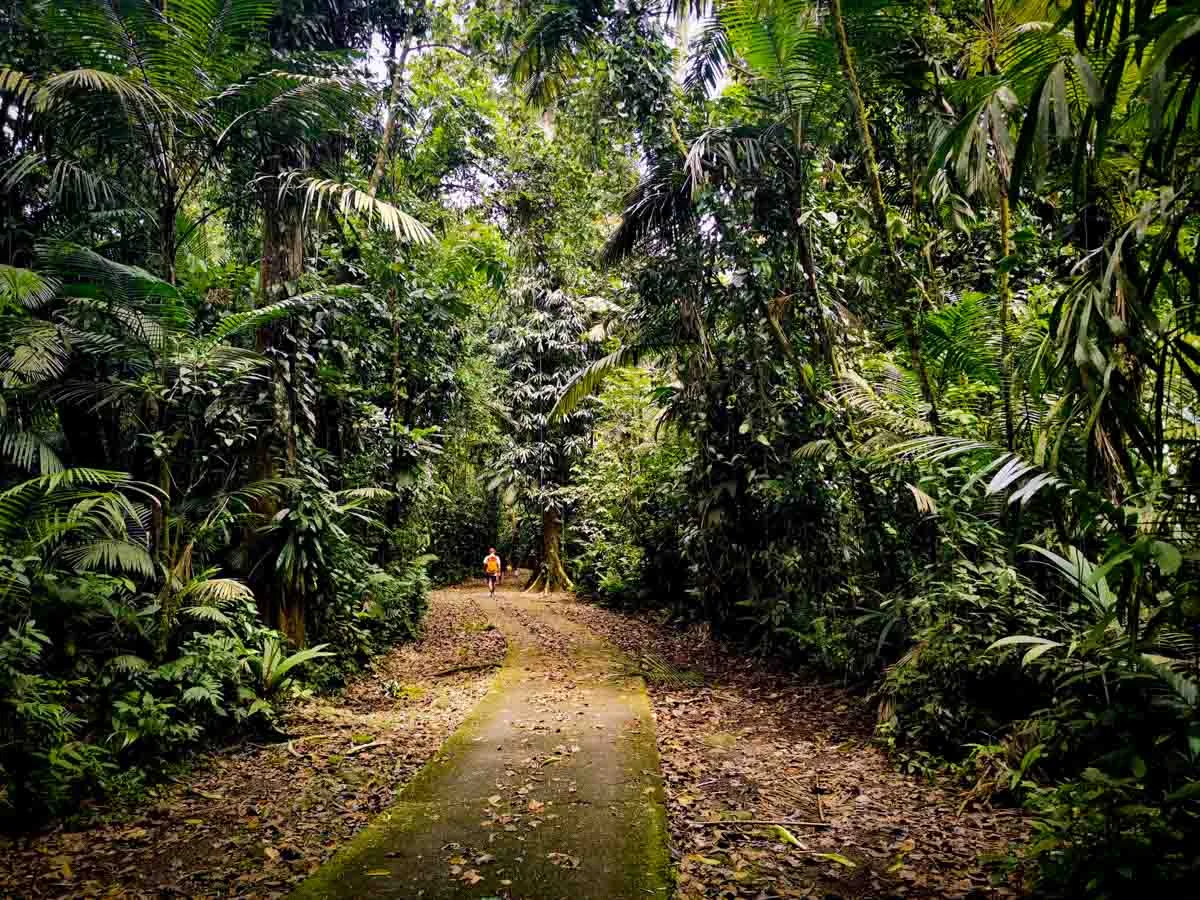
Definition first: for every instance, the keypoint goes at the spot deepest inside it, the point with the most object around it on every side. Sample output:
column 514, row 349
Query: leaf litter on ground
column 254, row 819
column 774, row 788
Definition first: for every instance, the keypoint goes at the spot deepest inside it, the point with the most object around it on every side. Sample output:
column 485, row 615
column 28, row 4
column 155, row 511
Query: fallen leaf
column 787, row 837
column 838, row 858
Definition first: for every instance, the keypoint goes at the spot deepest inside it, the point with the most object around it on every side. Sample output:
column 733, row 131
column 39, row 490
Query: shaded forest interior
column 858, row 334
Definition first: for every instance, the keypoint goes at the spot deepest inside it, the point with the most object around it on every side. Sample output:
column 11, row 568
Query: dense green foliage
column 888, row 308
column 241, row 372
column 917, row 287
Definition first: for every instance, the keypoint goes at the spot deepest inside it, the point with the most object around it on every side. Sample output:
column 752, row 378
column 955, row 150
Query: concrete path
column 551, row 789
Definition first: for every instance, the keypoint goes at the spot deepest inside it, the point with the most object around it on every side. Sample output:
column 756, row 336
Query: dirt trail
column 551, row 789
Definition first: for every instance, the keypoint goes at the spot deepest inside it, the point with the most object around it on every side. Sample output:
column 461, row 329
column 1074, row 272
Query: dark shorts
column 491, row 580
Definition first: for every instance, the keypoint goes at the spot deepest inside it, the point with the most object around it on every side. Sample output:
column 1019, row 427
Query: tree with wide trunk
column 540, row 347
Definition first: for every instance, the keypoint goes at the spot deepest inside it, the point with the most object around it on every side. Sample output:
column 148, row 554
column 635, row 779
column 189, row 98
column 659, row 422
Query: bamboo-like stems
column 900, row 282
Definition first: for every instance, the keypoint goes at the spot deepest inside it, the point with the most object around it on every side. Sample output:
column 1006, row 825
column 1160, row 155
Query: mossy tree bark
column 282, row 262
column 552, row 577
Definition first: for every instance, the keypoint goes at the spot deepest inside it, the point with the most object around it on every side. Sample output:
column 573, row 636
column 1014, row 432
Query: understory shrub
column 89, row 707
column 985, row 666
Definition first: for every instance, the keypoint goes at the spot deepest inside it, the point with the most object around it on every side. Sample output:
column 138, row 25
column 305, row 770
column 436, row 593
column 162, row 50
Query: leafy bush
column 395, row 603
column 947, row 692
column 43, row 765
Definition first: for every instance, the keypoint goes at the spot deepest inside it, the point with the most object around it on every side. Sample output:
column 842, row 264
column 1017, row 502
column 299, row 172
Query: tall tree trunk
column 553, row 576
column 282, row 261
column 393, row 110
column 901, row 283
column 396, row 417
column 153, row 412
column 166, row 238
column 1005, row 312
column 1004, row 171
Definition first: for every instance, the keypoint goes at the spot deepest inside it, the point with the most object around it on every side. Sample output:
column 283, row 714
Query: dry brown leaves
column 762, row 747
column 252, row 820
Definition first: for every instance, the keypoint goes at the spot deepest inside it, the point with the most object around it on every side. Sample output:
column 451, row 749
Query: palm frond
column 127, row 663
column 708, row 59
column 25, row 287
column 208, row 591
column 587, row 382
column 37, row 352
column 204, row 613
column 821, row 449
column 365, row 494
column 112, row 556
column 236, row 323
column 547, row 58
column 319, row 192
column 660, row 208
column 128, row 91
column 23, row 448
column 1006, row 468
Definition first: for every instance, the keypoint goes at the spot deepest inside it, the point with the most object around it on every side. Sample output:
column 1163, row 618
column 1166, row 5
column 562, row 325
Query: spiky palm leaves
column 153, row 101
column 135, row 117
column 785, row 56
column 553, row 42
column 95, row 312
column 1087, row 81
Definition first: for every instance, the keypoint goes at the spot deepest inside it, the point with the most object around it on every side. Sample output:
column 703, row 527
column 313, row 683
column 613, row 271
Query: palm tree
column 153, row 103
column 118, row 343
column 134, row 121
column 797, row 62
column 541, row 346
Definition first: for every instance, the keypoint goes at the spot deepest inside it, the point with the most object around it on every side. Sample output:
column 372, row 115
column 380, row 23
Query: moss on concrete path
column 551, row 789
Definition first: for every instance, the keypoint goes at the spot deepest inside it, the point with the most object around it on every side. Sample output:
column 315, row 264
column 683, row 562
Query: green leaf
column 1167, row 556
column 786, row 836
column 1040, row 645
column 1138, row 766
column 838, row 858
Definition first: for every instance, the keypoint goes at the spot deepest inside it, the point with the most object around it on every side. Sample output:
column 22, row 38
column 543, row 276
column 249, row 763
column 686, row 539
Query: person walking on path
column 491, row 568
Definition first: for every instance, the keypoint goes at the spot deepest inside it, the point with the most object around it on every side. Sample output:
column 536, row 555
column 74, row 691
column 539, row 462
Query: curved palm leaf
column 320, row 192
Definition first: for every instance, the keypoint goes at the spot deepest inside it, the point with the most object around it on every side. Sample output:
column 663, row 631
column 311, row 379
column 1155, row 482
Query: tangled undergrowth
column 256, row 817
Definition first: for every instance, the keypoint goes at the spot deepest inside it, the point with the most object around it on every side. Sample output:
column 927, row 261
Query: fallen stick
column 783, row 822
column 474, row 667
column 820, row 805
column 361, row 747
